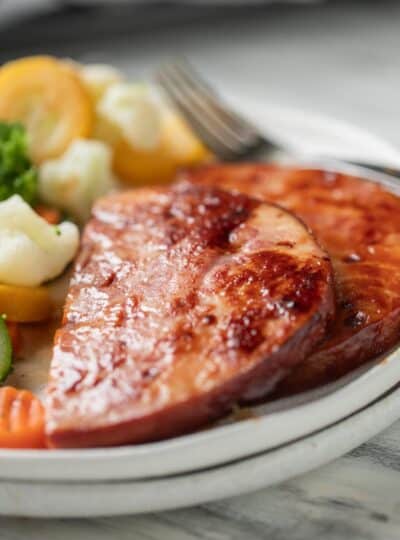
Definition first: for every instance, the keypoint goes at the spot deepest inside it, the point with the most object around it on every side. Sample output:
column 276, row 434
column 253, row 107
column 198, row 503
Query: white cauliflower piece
column 134, row 111
column 98, row 78
column 32, row 251
column 77, row 178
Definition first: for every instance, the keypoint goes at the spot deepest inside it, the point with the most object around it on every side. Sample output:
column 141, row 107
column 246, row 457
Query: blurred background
column 334, row 57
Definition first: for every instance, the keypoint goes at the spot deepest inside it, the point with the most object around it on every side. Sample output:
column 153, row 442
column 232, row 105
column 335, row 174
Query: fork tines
column 229, row 136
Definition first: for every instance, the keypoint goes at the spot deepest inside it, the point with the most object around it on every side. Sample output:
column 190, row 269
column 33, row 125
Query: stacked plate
column 267, row 444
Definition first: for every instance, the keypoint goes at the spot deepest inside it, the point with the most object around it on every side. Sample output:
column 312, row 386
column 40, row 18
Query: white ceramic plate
column 90, row 499
column 275, row 424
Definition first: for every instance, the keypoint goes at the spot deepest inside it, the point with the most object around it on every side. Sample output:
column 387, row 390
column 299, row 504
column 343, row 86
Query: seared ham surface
column 358, row 223
column 183, row 301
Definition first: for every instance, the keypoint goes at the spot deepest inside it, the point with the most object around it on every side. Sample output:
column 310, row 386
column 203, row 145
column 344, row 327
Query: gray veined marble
column 339, row 58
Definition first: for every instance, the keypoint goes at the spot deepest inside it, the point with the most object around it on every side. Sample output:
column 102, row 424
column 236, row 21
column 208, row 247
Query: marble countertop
column 341, row 59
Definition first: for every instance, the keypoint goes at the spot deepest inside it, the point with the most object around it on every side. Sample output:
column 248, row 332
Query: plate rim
column 268, row 468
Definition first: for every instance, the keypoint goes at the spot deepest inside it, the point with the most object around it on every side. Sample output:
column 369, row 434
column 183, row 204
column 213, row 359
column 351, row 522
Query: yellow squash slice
column 49, row 99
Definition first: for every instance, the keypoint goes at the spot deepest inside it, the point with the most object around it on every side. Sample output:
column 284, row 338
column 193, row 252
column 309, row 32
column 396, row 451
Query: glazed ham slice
column 358, row 223
column 182, row 302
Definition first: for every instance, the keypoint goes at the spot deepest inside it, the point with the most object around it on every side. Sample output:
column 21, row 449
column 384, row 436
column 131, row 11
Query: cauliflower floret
column 76, row 179
column 98, row 77
column 134, row 111
column 32, row 251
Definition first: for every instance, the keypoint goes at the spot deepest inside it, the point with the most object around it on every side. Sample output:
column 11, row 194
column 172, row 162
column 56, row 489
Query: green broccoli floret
column 17, row 173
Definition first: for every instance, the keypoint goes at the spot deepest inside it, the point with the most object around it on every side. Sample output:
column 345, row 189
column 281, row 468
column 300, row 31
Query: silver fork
column 228, row 135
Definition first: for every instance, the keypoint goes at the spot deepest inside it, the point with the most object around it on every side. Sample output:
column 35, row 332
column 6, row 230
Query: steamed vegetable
column 17, row 174
column 150, row 142
column 48, row 213
column 32, row 251
column 25, row 304
column 15, row 335
column 21, row 419
column 132, row 110
column 97, row 78
column 177, row 148
column 76, row 179
column 48, row 97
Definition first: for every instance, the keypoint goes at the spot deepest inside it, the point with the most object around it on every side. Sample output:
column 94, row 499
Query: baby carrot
column 51, row 215
column 15, row 335
column 21, row 419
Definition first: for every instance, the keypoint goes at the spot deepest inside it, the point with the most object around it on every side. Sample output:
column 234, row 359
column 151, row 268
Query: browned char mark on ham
column 358, row 223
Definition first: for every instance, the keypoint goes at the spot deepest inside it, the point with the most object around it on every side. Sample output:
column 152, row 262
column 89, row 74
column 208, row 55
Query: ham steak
column 183, row 301
column 358, row 223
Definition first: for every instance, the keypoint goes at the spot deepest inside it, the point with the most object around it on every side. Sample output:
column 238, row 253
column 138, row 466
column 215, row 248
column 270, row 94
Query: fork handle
column 377, row 168
column 269, row 151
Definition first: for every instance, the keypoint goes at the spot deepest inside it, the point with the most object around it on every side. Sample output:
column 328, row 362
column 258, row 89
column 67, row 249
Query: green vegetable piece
column 18, row 176
column 5, row 351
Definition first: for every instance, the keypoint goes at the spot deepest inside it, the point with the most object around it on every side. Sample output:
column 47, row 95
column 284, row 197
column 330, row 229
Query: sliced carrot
column 51, row 215
column 15, row 336
column 49, row 99
column 21, row 419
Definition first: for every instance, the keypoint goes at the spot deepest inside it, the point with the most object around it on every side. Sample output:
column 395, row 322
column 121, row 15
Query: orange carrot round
column 51, row 215
column 15, row 336
column 21, row 419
